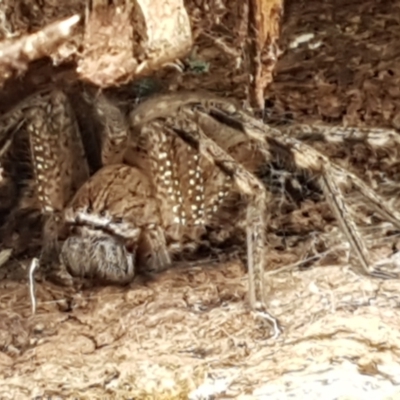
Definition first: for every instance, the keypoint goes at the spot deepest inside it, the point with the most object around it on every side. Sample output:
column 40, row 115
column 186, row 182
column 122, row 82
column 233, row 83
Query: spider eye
column 118, row 220
column 102, row 213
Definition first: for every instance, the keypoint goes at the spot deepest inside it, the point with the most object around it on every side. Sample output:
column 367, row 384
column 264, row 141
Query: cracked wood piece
column 132, row 38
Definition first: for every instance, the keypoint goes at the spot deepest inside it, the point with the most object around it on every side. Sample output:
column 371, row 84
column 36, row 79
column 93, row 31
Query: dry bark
column 120, row 41
column 16, row 54
column 234, row 52
column 265, row 18
column 133, row 39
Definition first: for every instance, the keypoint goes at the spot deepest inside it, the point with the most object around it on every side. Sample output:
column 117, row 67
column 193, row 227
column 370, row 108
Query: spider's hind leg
column 331, row 177
column 274, row 144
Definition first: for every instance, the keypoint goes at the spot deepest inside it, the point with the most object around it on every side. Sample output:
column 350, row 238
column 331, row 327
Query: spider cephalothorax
column 170, row 168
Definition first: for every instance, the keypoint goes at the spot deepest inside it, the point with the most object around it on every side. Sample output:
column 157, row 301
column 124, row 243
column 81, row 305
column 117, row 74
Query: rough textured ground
column 188, row 333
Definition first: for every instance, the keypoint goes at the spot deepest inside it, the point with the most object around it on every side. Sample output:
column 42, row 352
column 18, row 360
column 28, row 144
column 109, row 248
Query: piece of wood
column 264, row 28
column 132, row 38
column 17, row 54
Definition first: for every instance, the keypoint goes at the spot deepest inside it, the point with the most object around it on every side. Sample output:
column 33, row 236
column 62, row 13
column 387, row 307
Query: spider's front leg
column 183, row 125
column 113, row 129
column 58, row 161
column 112, row 222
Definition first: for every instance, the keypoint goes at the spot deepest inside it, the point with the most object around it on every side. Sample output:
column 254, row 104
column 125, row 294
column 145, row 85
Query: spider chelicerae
column 167, row 173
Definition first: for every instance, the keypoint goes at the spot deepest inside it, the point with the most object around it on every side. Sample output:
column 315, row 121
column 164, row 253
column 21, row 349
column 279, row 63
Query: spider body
column 160, row 202
column 170, row 170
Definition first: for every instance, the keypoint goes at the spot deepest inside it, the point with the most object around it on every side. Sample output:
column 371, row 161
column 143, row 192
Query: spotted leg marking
column 59, row 163
column 257, row 199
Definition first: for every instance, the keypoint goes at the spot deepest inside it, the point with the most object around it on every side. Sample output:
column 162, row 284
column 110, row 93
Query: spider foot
column 385, row 270
column 60, row 276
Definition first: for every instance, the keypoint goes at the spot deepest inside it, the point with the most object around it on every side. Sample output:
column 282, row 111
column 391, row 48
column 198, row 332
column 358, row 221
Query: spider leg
column 373, row 137
column 152, row 254
column 307, row 157
column 304, row 157
column 114, row 133
column 58, row 161
column 57, row 152
column 340, row 209
column 257, row 199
